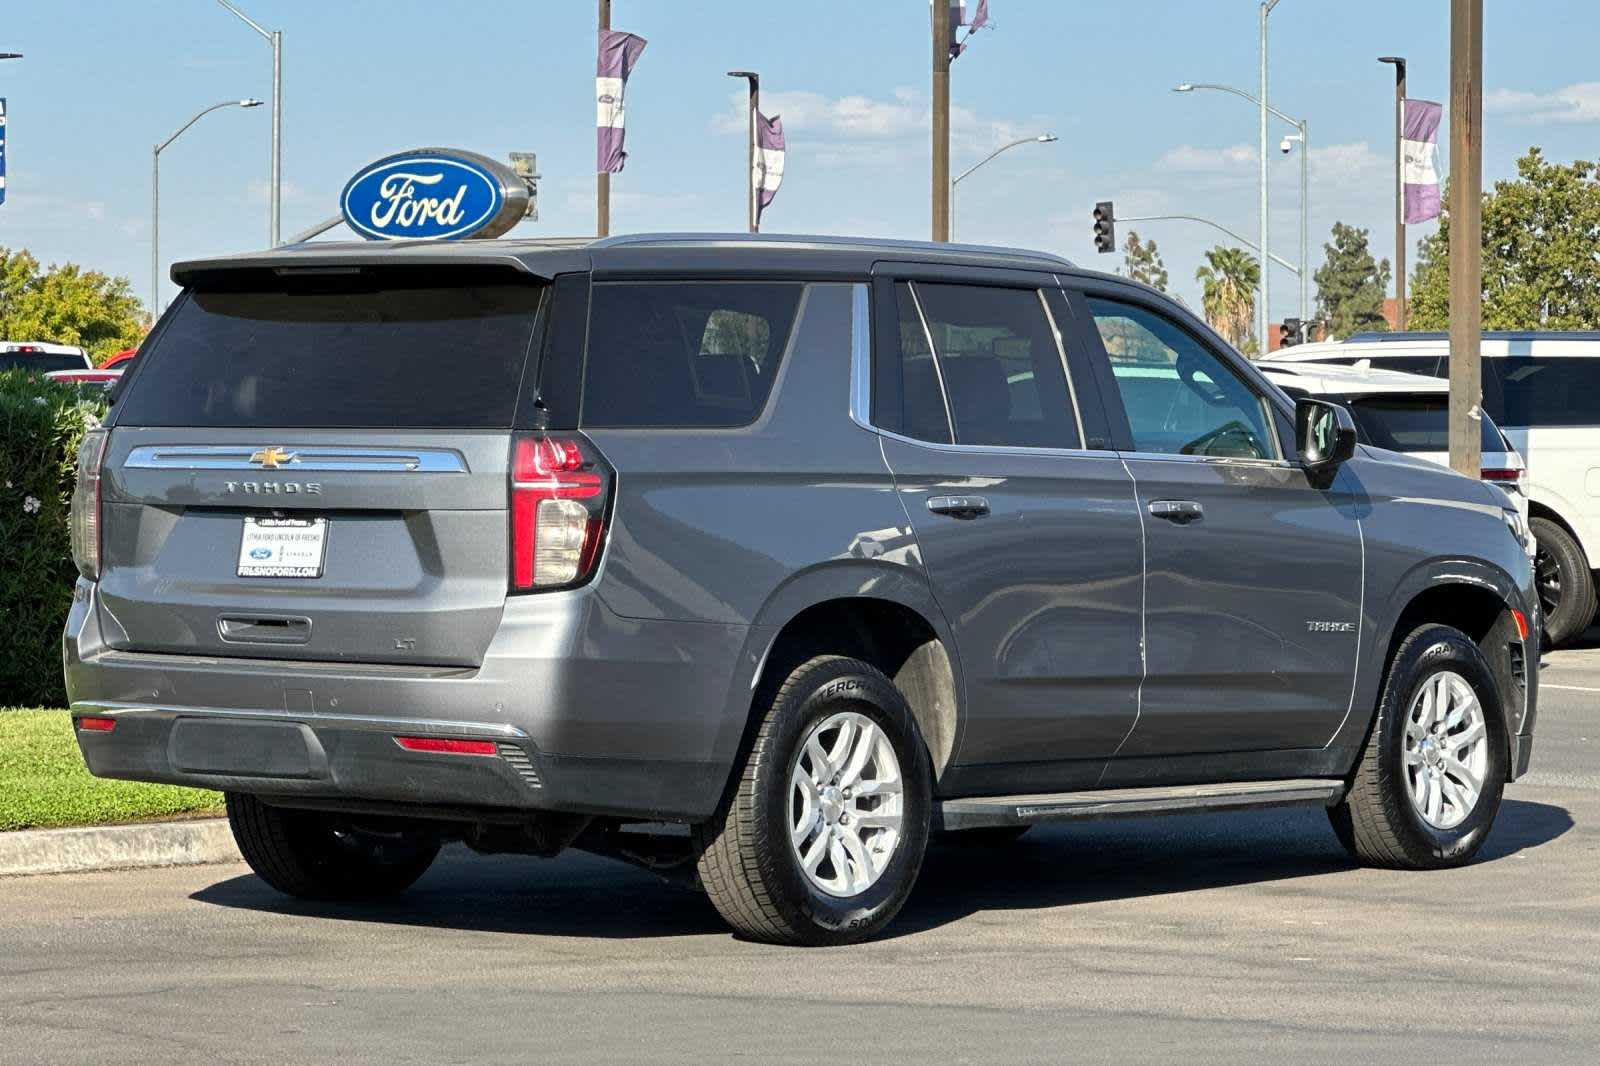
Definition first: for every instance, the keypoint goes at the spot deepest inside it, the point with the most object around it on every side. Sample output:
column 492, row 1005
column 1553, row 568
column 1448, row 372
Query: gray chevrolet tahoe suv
column 816, row 547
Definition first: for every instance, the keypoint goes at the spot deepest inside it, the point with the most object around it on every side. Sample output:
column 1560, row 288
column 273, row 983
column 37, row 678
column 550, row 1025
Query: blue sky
column 104, row 79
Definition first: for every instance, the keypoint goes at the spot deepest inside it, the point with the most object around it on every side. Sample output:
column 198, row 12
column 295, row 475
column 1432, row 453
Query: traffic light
column 1105, row 227
column 1291, row 332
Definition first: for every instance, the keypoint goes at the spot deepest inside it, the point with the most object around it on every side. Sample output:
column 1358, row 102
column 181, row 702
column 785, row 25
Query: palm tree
column 1230, row 277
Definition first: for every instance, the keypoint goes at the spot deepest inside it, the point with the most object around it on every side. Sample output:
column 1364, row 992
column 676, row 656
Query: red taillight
column 84, row 526
column 557, row 512
column 1522, row 623
column 1496, row 474
column 97, row 725
column 446, row 746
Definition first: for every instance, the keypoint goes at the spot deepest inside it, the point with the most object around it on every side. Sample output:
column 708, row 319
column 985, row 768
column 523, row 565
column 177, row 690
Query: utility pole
column 1466, row 235
column 941, row 120
column 750, row 155
column 1399, row 189
column 602, row 180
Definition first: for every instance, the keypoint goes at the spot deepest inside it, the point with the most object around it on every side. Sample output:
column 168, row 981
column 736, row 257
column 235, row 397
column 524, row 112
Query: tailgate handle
column 263, row 628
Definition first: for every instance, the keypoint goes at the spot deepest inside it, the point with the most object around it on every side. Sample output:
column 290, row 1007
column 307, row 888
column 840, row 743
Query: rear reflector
column 444, row 746
column 97, row 725
column 1489, row 474
column 1522, row 623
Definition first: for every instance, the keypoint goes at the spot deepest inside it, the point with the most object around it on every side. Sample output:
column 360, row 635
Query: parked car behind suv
column 815, row 546
column 1407, row 413
column 1543, row 389
column 42, row 357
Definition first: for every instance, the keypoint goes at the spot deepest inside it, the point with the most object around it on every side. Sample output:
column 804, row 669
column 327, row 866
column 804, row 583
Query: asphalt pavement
column 1219, row 938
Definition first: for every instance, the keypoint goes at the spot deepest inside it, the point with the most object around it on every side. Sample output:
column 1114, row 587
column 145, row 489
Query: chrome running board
column 980, row 811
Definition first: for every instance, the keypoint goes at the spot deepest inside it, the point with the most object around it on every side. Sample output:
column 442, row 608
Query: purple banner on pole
column 770, row 149
column 958, row 18
column 1419, row 146
column 619, row 52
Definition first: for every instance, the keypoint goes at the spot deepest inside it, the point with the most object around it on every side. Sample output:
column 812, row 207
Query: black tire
column 1566, row 586
column 320, row 856
column 1377, row 821
column 746, row 862
column 989, row 836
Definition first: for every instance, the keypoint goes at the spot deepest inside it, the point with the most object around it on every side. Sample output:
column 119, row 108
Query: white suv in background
column 1543, row 389
column 1406, row 413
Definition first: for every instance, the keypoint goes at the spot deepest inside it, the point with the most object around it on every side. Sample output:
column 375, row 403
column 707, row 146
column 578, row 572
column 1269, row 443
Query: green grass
column 43, row 782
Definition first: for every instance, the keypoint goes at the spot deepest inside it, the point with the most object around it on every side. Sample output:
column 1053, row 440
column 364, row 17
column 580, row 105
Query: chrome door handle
column 959, row 506
column 1180, row 511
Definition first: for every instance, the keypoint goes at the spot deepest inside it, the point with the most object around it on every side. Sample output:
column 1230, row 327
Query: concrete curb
column 117, row 847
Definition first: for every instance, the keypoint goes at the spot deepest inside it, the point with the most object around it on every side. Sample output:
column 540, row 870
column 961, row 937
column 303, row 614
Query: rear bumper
column 589, row 712
column 357, row 758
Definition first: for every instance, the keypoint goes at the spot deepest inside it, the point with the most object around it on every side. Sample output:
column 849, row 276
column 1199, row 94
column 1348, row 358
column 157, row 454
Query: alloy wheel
column 846, row 805
column 1446, row 750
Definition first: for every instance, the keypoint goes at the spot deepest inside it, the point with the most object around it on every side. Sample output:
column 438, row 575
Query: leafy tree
column 67, row 305
column 1229, row 280
column 1351, row 285
column 1540, row 266
column 1143, row 263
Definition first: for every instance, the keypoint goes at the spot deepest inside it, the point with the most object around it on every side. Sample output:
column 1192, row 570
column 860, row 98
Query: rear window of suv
column 685, row 355
column 358, row 352
column 1413, row 424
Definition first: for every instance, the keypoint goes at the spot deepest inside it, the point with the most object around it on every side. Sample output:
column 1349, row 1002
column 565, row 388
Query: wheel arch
column 883, row 613
column 1476, row 598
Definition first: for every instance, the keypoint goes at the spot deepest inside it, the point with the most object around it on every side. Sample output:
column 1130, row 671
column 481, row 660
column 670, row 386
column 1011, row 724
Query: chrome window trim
column 1218, row 460
column 315, row 458
column 933, row 353
column 1066, row 371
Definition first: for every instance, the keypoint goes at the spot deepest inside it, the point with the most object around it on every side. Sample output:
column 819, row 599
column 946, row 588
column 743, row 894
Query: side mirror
column 1324, row 435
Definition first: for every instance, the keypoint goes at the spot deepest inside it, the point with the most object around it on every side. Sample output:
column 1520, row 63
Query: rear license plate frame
column 286, row 555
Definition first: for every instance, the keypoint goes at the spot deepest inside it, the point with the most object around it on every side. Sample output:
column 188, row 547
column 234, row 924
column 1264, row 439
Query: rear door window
column 998, row 364
column 684, row 354
column 365, row 352
column 1412, row 423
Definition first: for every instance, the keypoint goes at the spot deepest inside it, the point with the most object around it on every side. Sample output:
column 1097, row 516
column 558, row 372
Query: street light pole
column 1305, row 181
column 1043, row 138
column 750, row 154
column 155, row 197
column 1247, row 242
column 1264, row 312
column 275, row 39
column 1399, row 189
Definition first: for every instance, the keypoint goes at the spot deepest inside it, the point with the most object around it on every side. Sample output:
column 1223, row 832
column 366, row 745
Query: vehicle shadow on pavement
column 580, row 895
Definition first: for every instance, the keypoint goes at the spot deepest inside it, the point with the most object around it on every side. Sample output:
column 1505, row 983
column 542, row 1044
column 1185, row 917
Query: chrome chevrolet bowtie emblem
column 272, row 458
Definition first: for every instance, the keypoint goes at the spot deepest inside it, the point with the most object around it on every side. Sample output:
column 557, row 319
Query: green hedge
column 41, row 425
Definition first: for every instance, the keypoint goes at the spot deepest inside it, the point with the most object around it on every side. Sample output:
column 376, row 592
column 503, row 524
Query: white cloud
column 1340, row 162
column 1209, row 160
column 837, row 126
column 1574, row 103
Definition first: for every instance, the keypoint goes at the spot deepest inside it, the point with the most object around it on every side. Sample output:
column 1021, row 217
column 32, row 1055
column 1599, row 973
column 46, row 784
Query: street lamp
column 1305, row 178
column 275, row 39
column 1264, row 312
column 1043, row 138
column 155, row 196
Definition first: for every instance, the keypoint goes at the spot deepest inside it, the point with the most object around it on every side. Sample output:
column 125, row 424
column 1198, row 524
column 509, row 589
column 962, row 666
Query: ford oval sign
column 436, row 194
